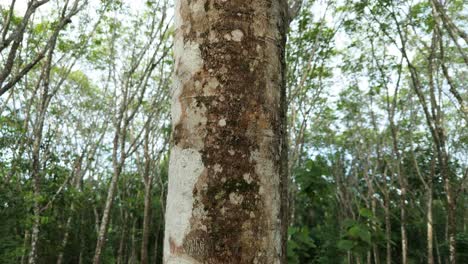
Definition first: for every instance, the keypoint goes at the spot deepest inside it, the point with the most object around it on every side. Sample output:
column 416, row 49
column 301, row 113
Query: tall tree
column 227, row 169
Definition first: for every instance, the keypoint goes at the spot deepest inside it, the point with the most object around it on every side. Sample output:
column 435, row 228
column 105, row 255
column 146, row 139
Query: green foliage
column 300, row 244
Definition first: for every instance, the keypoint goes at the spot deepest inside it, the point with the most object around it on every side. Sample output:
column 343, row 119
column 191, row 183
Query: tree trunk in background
column 106, row 216
column 403, row 182
column 146, row 224
column 451, row 199
column 404, row 235
column 439, row 259
column 451, row 207
column 123, row 238
column 133, row 254
column 36, row 171
column 148, row 182
column 77, row 178
column 65, row 239
column 429, row 218
column 118, row 163
column 157, row 236
column 225, row 175
column 388, row 231
column 26, row 239
column 375, row 248
column 36, row 177
column 430, row 239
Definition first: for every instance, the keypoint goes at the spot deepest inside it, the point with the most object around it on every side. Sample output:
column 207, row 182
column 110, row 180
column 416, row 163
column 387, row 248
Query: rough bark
column 225, row 175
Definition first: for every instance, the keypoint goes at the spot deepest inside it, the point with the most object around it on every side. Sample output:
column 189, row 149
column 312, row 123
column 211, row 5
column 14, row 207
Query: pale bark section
column 185, row 168
column 224, row 198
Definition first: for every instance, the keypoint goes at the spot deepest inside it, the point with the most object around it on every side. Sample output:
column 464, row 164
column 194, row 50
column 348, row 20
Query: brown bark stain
column 230, row 220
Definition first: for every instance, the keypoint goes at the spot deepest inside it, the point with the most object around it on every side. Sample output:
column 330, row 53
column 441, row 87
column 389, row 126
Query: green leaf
column 364, row 212
column 345, row 245
column 360, row 232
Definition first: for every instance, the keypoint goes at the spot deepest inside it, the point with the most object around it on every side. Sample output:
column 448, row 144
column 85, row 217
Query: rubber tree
column 227, row 176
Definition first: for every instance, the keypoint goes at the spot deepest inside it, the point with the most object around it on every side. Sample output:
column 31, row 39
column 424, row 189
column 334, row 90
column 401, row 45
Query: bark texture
column 225, row 172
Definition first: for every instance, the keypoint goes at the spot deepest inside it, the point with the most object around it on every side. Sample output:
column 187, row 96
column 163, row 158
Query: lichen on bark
column 227, row 133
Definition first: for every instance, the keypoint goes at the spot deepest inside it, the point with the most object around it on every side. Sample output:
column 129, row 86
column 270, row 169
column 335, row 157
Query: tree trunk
column 106, row 217
column 404, row 236
column 26, row 239
column 65, row 240
column 119, row 142
column 146, row 223
column 225, row 175
column 439, row 259
column 148, row 181
column 375, row 247
column 452, row 231
column 82, row 243
column 36, row 205
column 123, row 237
column 157, row 237
column 430, row 239
column 133, row 255
column 36, row 171
column 77, row 178
column 388, row 229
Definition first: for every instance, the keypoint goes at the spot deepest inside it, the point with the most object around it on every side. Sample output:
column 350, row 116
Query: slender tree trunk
column 146, row 224
column 388, row 229
column 225, row 175
column 160, row 225
column 156, row 243
column 36, row 189
column 439, row 259
column 451, row 204
column 133, row 256
column 26, row 239
column 452, row 232
column 106, row 217
column 402, row 180
column 446, row 259
column 82, row 243
column 118, row 163
column 64, row 240
column 404, row 236
column 375, row 247
column 96, row 220
column 77, row 185
column 430, row 239
column 148, row 181
column 36, row 175
column 123, row 237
